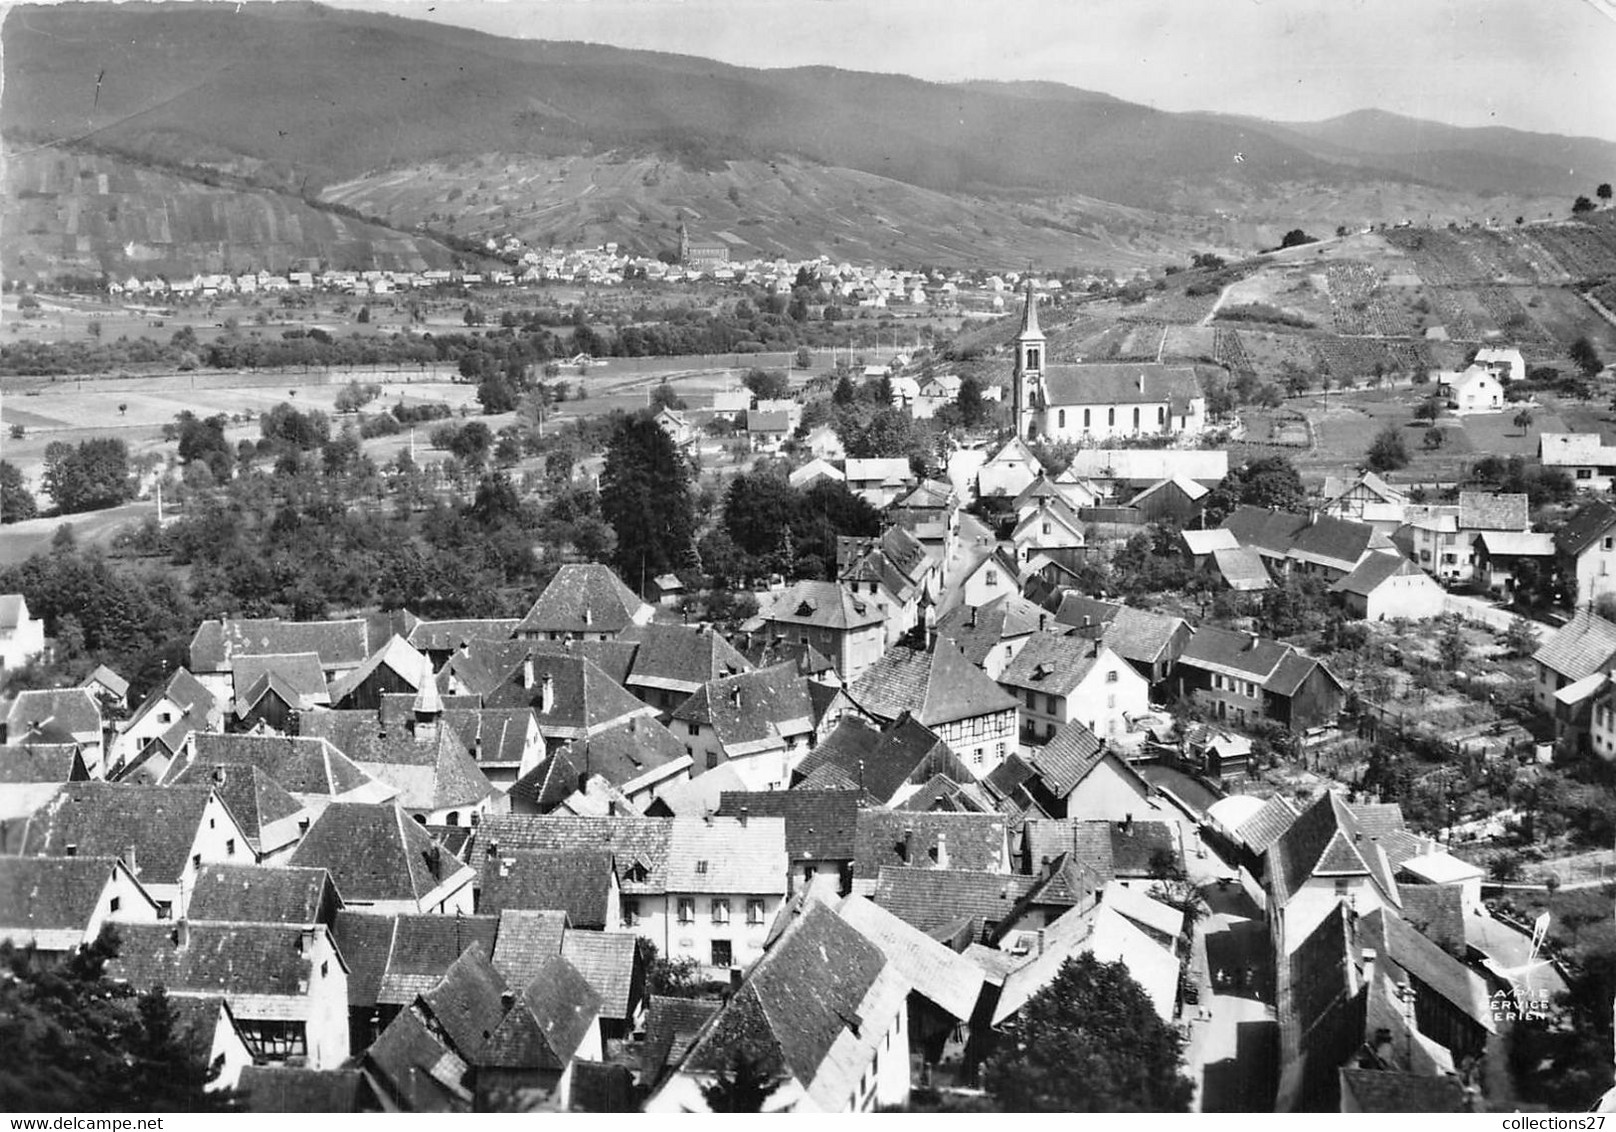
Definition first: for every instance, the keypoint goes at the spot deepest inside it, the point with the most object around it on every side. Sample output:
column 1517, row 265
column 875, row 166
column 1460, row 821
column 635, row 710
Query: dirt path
column 1222, row 295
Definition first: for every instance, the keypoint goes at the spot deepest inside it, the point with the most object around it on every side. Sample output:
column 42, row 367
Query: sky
column 1544, row 65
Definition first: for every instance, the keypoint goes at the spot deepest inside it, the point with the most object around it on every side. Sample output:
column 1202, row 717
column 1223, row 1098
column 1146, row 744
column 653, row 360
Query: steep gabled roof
column 671, row 1025
column 1069, row 757
column 525, row 939
column 1581, row 647
column 1493, row 511
column 978, row 630
column 234, row 960
column 50, row 901
column 607, row 961
column 299, row 676
column 796, row 1001
column 627, row 751
column 375, row 853
column 288, row 1089
column 578, row 883
column 254, row 798
column 548, row 1023
column 99, row 819
column 753, row 710
column 262, row 895
column 302, row 765
column 583, row 598
column 638, row 844
column 431, row 772
column 1592, row 522
column 944, row 841
column 53, row 715
column 1243, row 654
column 881, row 762
column 935, row 685
column 41, row 762
column 1373, row 572
column 340, row 644
column 445, row 636
column 828, row 605
column 728, row 855
column 820, row 824
column 398, row 655
column 943, row 976
column 422, row 948
column 1329, row 840
column 1054, row 663
column 680, row 657
column 467, row 1000
column 1121, row 383
column 930, row 899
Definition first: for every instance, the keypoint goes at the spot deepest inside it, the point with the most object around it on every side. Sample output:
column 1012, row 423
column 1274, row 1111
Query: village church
column 1094, row 402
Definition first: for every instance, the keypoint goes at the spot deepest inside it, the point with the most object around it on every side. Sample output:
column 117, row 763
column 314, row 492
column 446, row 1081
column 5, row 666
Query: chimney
column 527, row 671
column 942, row 851
column 505, row 864
column 547, row 694
column 735, row 695
column 129, row 860
column 1043, row 621
column 1040, row 941
column 1127, row 823
column 305, row 941
column 743, row 817
column 434, row 859
column 493, row 849
column 1251, row 642
column 589, row 616
column 218, row 776
column 1141, row 381
column 972, row 622
column 181, row 935
column 506, row 1001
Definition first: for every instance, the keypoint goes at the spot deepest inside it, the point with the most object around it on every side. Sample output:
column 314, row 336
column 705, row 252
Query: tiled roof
column 1205, row 542
column 1509, row 544
column 880, row 762
column 1581, row 647
column 1592, row 522
column 51, row 894
column 375, row 852
column 627, row 750
column 365, row 940
column 758, row 420
column 398, row 656
column 465, row 1002
column 108, row 679
column 1135, row 845
column 1079, row 610
column 1067, row 759
column 300, row 674
column 936, row 686
column 932, row 898
column 725, row 855
column 1574, row 449
column 583, row 698
column 952, row 842
column 307, row 766
column 1259, row 528
column 1223, row 650
column 1489, row 511
column 753, row 707
column 40, row 762
column 228, row 959
column 287, row 1089
column 1338, row 542
column 671, row 1025
column 978, row 630
column 1119, row 383
column 420, row 1071
column 582, row 597
column 578, row 883
column 820, row 824
column 945, row 977
column 261, row 895
column 1390, row 1092
column 12, row 607
column 1292, row 671
column 1148, row 465
column 434, row 772
column 1242, row 569
column 1436, row 911
column 525, row 939
column 444, row 636
column 1375, row 570
column 53, row 715
column 1268, row 824
column 494, row 736
column 1327, row 839
column 614, row 657
column 552, row 1015
column 889, row 470
column 424, row 946
column 1053, row 663
column 1420, row 957
column 633, row 841
column 98, row 819
column 1142, row 636
column 340, row 644
column 254, row 798
column 827, row 605
column 680, row 657
column 797, row 1001
column 607, row 962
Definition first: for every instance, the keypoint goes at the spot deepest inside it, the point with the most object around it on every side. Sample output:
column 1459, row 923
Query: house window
column 976, row 757
column 1111, row 677
column 998, row 750
column 165, row 909
column 631, row 913
column 1585, row 474
column 712, row 759
column 701, row 868
column 230, row 847
column 196, row 860
column 1161, row 416
column 695, row 729
column 117, row 902
column 993, row 577
column 1085, row 420
column 1032, row 357
column 1340, row 886
column 325, row 968
column 687, row 910
column 1051, row 705
column 274, row 1040
column 1111, row 417
column 1610, row 544
column 754, row 912
column 1136, row 420
column 720, row 909
column 1060, row 419
column 723, row 954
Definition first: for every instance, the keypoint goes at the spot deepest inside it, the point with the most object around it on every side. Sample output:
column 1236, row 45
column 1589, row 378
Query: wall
column 694, row 940
column 981, row 742
column 1414, row 596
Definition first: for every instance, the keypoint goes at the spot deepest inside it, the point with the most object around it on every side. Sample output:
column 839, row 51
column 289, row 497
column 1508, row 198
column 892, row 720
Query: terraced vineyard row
column 1512, row 318
column 1549, row 254
column 1229, row 351
column 1355, row 360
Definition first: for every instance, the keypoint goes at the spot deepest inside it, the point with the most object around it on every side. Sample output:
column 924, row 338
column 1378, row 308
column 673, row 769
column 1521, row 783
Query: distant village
column 595, row 858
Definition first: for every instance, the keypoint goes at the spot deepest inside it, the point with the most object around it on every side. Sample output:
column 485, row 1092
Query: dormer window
column 701, row 868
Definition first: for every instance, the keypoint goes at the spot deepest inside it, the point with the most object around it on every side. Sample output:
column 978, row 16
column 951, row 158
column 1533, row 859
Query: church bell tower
column 1027, row 383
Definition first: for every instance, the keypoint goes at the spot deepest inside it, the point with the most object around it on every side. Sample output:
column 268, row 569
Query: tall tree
column 1090, row 1041
column 16, row 501
column 94, row 474
column 645, row 496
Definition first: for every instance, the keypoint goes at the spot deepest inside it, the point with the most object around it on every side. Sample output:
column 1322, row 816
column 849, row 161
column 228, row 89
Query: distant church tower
column 1027, row 382
column 684, row 244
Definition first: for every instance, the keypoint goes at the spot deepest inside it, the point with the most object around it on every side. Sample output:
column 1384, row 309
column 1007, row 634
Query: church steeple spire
column 1027, row 382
